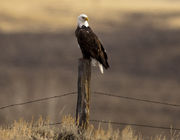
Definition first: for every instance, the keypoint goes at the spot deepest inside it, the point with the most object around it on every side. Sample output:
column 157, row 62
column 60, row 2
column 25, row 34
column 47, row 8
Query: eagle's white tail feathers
column 101, row 68
column 96, row 63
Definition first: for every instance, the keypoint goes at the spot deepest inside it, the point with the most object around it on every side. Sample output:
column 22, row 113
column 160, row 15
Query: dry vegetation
column 56, row 15
column 40, row 130
column 67, row 130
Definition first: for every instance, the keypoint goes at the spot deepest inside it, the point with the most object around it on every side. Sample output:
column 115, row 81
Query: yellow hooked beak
column 86, row 18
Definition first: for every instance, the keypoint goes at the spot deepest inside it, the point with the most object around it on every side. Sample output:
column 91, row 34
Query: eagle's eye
column 84, row 18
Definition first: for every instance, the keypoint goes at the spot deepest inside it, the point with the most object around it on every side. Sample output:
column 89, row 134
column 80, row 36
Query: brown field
column 58, row 15
column 39, row 55
column 68, row 130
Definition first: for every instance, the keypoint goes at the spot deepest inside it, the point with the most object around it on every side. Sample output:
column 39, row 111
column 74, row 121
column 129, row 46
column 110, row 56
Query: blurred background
column 39, row 58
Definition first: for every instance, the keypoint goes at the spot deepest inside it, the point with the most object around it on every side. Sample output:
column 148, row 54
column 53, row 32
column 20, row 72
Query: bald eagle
column 89, row 43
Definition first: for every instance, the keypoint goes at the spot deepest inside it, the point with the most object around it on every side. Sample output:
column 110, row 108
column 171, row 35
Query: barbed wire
column 38, row 100
column 95, row 92
column 131, row 124
column 103, row 121
column 56, row 123
column 137, row 99
column 134, row 124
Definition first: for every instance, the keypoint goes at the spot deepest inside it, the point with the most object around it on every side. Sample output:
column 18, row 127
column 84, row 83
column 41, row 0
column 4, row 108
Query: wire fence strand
column 37, row 100
column 131, row 124
column 103, row 121
column 96, row 93
column 137, row 99
column 134, row 124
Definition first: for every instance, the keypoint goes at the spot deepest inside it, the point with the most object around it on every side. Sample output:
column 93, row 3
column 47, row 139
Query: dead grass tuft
column 67, row 130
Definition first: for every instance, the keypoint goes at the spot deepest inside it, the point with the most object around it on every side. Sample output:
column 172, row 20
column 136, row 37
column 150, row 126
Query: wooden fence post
column 84, row 77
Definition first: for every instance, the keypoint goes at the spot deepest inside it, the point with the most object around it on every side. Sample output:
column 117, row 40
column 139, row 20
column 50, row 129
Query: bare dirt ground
column 144, row 56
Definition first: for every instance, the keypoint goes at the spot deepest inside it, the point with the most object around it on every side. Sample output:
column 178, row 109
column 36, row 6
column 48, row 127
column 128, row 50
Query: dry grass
column 55, row 15
column 40, row 130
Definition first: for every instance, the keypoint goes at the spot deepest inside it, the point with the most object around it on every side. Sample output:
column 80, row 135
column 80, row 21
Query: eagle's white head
column 83, row 20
